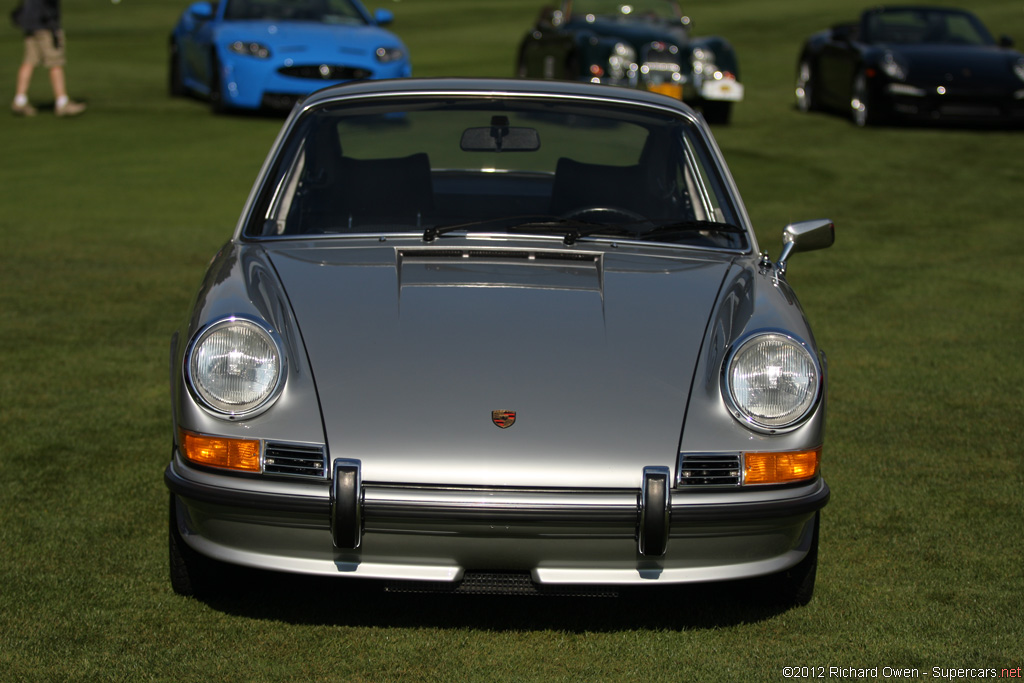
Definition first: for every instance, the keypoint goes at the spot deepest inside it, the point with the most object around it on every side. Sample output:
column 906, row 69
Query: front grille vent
column 706, row 469
column 294, row 460
column 499, row 254
column 501, row 583
column 325, row 72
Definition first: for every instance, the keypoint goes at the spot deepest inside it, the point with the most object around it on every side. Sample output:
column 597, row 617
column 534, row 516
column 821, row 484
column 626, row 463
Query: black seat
column 580, row 185
column 379, row 191
column 343, row 194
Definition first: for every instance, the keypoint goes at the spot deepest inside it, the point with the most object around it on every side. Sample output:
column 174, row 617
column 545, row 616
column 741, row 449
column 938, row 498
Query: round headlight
column 235, row 367
column 772, row 382
column 893, row 67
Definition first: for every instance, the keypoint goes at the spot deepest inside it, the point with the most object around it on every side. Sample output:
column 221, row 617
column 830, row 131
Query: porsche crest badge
column 503, row 418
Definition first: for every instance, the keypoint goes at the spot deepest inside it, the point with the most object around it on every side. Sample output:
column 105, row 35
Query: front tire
column 191, row 574
column 217, row 103
column 805, row 87
column 175, row 82
column 794, row 587
column 862, row 108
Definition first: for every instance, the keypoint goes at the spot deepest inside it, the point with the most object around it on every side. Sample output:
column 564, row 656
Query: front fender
column 241, row 281
column 725, row 54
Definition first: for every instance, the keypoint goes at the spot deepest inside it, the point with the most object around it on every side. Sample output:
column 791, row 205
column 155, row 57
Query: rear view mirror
column 805, row 236
column 500, row 137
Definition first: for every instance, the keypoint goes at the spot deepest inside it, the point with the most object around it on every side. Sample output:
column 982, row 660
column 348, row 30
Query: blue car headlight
column 250, row 49
column 386, row 55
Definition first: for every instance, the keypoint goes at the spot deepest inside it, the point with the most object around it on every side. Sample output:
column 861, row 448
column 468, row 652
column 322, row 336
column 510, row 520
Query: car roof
column 498, row 87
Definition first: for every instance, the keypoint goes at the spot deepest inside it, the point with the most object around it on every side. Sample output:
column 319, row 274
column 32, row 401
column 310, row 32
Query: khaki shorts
column 45, row 48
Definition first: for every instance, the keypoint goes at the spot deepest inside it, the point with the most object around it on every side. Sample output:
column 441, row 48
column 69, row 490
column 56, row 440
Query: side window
column 704, row 193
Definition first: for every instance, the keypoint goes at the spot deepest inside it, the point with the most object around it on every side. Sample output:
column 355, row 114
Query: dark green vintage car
column 644, row 44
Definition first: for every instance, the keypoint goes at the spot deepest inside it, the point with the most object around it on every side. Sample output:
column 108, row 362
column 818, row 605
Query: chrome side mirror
column 805, row 236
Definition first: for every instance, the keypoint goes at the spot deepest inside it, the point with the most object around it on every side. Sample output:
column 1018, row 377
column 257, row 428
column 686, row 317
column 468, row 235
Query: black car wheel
column 216, row 87
column 794, row 587
column 192, row 574
column 175, row 83
column 805, row 87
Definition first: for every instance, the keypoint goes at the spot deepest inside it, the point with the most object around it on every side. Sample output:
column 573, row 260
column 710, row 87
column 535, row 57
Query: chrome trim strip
column 256, row 500
column 725, row 512
column 482, row 505
column 490, row 505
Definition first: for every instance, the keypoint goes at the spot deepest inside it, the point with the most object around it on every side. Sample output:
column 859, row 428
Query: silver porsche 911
column 476, row 335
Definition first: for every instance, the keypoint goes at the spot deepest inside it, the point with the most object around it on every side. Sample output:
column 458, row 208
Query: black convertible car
column 644, row 44
column 912, row 63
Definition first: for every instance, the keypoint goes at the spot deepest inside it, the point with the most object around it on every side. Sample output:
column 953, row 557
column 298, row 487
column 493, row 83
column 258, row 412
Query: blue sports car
column 252, row 54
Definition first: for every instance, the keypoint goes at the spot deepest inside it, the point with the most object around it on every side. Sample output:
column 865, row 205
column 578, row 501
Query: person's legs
column 54, row 59
column 63, row 106
column 24, row 78
column 20, row 106
column 60, row 90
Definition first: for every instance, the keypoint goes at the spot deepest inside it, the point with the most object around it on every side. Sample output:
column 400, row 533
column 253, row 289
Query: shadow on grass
column 357, row 602
column 920, row 123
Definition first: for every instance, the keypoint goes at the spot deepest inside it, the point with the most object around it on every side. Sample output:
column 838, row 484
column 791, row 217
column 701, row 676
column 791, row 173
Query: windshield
column 323, row 11
column 925, row 26
column 432, row 165
column 639, row 9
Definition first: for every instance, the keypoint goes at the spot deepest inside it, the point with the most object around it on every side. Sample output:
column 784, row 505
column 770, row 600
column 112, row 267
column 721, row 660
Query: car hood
column 638, row 33
column 412, row 351
column 295, row 38
column 958, row 65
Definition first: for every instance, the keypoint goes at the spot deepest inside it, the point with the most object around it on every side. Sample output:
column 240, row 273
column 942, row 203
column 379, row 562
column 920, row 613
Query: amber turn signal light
column 216, row 451
column 780, row 468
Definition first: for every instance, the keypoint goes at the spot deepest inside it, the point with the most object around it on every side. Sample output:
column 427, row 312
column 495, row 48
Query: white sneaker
column 23, row 109
column 70, row 108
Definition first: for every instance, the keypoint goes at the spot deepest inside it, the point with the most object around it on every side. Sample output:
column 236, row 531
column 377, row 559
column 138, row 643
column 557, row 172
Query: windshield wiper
column 660, row 230
column 503, row 222
column 573, row 229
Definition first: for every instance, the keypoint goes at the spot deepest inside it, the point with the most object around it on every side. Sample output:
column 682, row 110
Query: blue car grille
column 325, row 72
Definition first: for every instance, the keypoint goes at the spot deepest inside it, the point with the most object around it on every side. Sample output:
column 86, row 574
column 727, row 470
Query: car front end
column 272, row 65
column 495, row 377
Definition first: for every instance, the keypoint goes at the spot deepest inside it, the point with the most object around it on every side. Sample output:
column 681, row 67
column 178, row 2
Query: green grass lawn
column 107, row 223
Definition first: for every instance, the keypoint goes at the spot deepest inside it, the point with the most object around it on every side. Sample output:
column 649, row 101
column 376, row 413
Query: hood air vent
column 496, row 254
column 510, row 268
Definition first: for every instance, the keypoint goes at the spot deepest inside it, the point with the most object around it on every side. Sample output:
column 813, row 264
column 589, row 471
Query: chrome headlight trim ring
column 807, row 387
column 268, row 388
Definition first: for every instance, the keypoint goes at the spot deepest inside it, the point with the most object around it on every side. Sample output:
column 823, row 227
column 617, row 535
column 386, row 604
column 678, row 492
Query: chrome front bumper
column 435, row 534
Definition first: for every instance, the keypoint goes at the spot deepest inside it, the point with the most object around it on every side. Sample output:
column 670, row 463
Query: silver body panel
column 399, row 350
